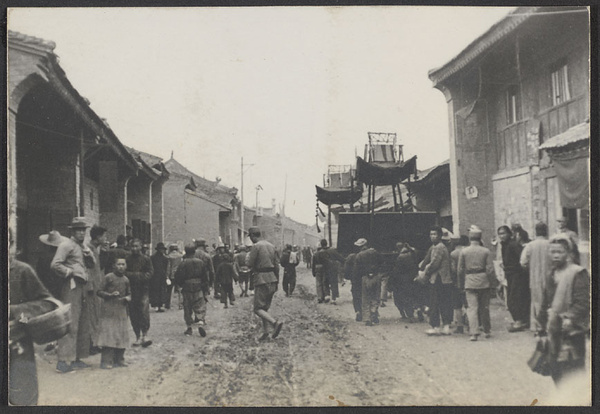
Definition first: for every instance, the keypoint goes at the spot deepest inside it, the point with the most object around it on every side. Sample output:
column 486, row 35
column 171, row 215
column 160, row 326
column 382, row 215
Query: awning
column 575, row 134
column 570, row 156
column 573, row 179
column 329, row 196
column 380, row 173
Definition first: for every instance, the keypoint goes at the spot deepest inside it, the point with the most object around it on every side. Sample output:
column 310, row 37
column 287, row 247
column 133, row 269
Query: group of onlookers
column 108, row 288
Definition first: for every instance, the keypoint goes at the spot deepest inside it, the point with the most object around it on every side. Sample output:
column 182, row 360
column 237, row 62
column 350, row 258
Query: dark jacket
column 192, row 275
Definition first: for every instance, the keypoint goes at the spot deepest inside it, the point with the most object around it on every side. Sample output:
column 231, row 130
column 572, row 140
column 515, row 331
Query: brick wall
column 186, row 215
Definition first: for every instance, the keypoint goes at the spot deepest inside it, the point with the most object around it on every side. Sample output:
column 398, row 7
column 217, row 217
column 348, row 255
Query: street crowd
column 545, row 288
column 111, row 287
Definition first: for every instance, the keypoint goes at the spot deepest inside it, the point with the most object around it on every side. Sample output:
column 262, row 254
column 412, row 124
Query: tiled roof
column 211, row 189
column 31, row 41
column 482, row 43
column 575, row 134
column 59, row 80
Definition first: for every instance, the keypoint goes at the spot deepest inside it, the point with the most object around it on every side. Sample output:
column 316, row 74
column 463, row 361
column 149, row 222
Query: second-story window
column 513, row 105
column 560, row 84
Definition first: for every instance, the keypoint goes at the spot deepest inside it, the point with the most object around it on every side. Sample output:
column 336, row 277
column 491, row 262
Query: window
column 513, row 105
column 560, row 85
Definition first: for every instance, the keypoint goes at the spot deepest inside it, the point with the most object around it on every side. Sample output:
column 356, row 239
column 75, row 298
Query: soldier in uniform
column 265, row 271
column 476, row 270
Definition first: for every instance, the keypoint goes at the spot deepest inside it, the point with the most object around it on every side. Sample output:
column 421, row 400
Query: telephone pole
column 242, row 201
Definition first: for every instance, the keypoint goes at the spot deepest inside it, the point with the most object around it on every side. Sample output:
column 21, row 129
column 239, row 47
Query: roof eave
column 481, row 44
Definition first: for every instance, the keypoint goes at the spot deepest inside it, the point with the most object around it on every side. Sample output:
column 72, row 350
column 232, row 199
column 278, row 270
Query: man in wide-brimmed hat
column 45, row 273
column 70, row 263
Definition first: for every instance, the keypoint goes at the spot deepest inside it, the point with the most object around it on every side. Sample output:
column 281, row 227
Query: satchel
column 541, row 360
column 50, row 326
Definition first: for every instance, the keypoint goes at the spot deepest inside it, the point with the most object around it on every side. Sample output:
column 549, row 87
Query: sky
column 290, row 89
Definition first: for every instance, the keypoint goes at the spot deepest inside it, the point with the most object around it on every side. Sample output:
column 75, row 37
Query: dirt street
column 322, row 358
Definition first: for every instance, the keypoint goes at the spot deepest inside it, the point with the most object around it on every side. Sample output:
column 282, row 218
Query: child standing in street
column 114, row 320
column 226, row 274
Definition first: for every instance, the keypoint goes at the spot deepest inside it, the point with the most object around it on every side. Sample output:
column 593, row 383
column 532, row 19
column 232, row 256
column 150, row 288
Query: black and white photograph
column 299, row 206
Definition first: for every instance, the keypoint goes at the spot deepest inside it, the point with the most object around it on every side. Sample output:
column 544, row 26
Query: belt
column 471, row 272
column 265, row 270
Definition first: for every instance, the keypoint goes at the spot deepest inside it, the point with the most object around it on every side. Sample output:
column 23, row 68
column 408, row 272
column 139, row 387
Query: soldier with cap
column 476, row 269
column 70, row 263
column 367, row 266
column 239, row 261
column 262, row 259
column 192, row 277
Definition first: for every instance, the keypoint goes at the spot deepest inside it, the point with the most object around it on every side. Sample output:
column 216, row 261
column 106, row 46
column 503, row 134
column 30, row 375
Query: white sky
column 291, row 89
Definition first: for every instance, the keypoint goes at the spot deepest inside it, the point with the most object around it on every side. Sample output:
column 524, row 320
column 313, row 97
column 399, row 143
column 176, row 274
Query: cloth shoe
column 188, row 331
column 146, row 342
column 333, row 302
column 473, row 338
column 105, row 366
column 433, row 331
column 138, row 342
column 459, row 330
column 358, row 317
column 79, row 365
column 446, row 330
column 264, row 337
column 327, row 298
column 201, row 331
column 63, row 368
column 120, row 365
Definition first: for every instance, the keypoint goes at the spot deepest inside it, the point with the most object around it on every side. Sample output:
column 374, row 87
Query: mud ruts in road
column 322, row 358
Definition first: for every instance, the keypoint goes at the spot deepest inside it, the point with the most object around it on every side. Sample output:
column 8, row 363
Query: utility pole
column 283, row 214
column 258, row 188
column 242, row 201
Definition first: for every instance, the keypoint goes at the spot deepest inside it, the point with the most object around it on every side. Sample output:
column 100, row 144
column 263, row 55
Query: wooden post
column 329, row 223
column 395, row 200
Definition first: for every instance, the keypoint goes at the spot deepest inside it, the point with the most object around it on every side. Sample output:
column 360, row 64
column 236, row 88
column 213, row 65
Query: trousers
column 75, row 344
column 440, row 303
column 139, row 312
column 518, row 295
column 227, row 293
column 371, row 295
column 193, row 303
column 289, row 281
column 478, row 311
column 322, row 285
column 356, row 291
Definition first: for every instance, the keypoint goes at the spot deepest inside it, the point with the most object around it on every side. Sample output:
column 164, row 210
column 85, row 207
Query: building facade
column 522, row 84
